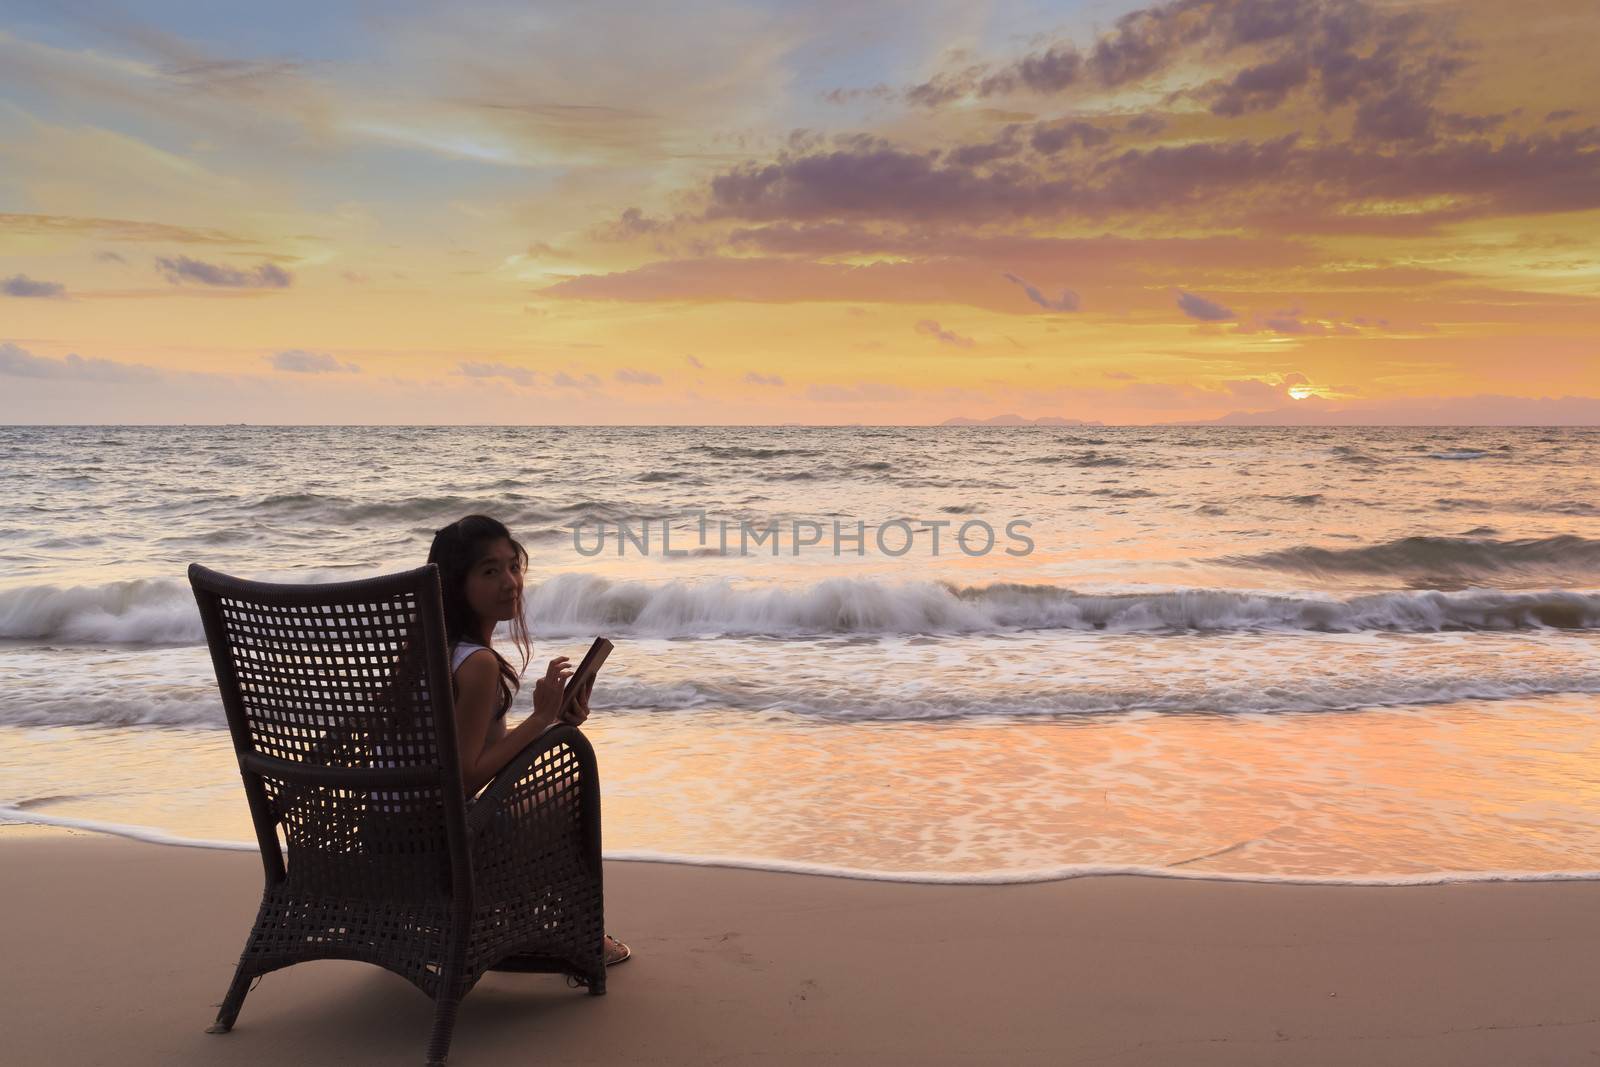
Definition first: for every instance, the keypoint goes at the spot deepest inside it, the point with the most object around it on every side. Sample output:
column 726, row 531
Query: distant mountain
column 1018, row 420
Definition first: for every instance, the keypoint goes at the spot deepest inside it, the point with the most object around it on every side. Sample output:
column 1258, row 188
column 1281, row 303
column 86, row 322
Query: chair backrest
column 339, row 703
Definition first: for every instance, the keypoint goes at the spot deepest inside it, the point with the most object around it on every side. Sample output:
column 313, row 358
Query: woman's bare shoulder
column 481, row 665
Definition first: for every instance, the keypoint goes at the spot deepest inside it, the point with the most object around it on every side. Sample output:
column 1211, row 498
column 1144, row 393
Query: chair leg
column 444, row 1024
column 228, row 1010
column 597, row 986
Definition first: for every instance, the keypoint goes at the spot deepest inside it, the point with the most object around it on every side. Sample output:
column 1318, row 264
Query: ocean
column 1363, row 654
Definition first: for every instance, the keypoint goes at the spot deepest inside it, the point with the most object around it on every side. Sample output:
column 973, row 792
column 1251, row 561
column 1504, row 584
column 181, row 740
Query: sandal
column 626, row 952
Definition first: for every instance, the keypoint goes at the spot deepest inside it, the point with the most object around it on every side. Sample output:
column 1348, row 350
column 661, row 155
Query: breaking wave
column 162, row 611
column 1453, row 557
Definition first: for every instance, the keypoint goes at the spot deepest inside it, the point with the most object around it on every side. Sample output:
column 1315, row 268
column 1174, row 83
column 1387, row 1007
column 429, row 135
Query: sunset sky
column 1259, row 210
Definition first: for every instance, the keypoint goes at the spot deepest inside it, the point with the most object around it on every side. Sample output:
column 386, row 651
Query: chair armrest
column 495, row 795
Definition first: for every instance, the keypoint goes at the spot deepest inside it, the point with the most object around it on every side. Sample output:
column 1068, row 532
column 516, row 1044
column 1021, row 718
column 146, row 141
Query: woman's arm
column 477, row 700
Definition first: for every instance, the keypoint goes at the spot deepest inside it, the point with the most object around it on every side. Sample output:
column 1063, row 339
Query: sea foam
column 1008, row 876
column 163, row 612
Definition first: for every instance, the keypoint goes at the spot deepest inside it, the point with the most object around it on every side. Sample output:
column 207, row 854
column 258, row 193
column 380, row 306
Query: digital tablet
column 585, row 674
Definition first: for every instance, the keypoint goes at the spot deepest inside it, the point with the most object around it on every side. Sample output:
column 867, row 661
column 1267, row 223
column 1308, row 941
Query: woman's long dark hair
column 457, row 548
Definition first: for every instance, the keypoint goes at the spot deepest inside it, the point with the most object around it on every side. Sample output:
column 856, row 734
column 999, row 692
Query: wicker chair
column 339, row 702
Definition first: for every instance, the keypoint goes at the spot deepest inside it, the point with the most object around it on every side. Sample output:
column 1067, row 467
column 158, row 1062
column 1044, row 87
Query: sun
column 1300, row 392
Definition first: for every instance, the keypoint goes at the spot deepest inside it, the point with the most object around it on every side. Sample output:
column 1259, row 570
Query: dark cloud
column 1067, row 301
column 1561, row 115
column 943, row 88
column 1050, row 71
column 976, row 155
column 1262, row 87
column 1281, row 181
column 24, row 286
column 694, row 362
column 889, row 183
column 1520, row 175
column 633, row 223
column 878, row 182
column 1141, row 180
column 1289, row 324
column 1396, row 116
column 299, row 361
column 1007, row 250
column 1144, row 41
column 1050, row 138
column 753, row 378
column 1198, row 307
column 845, row 96
column 1344, row 51
column 637, row 377
column 263, row 276
column 1248, row 22
column 1473, row 124
column 16, row 362
column 947, row 337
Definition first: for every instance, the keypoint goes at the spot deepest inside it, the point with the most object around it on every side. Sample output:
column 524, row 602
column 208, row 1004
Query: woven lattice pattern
column 339, row 704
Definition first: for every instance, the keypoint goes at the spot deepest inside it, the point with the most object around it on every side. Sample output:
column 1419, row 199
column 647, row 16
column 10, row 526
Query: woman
column 480, row 571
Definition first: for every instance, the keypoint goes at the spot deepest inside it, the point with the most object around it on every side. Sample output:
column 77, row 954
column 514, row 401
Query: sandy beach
column 118, row 951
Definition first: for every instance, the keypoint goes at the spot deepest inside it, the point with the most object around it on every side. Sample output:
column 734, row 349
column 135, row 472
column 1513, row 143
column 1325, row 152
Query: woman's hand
column 547, row 690
column 579, row 708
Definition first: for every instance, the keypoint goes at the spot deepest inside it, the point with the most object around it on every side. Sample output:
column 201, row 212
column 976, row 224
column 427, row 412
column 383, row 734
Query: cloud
column 1284, row 180
column 24, row 286
column 1400, row 115
column 1347, row 49
column 959, row 267
column 1067, row 301
column 1198, row 307
column 16, row 362
column 299, row 361
column 479, row 369
column 1292, row 323
column 884, row 183
column 637, row 377
column 860, row 393
column 633, row 223
column 524, row 376
column 948, row 337
column 981, row 153
column 694, row 362
column 1048, row 138
column 584, row 382
column 753, row 378
column 879, row 182
column 264, row 276
column 113, row 229
column 1261, row 87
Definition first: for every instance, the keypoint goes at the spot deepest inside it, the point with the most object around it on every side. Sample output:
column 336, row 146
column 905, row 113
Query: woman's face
column 494, row 583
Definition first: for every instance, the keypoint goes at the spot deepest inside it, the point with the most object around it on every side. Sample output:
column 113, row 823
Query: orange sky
column 1269, row 210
